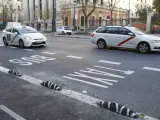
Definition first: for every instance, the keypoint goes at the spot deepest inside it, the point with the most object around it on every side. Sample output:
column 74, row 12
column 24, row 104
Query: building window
column 19, row 8
column 100, row 21
column 34, row 7
column 66, row 21
column 93, row 20
column 40, row 6
column 82, row 20
column 47, row 9
column 101, row 2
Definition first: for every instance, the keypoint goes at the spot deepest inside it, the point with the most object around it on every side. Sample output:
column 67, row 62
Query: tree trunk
column 86, row 24
column 111, row 18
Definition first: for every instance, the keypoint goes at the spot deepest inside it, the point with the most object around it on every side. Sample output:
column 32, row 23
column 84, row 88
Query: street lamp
column 74, row 19
column 3, row 11
column 54, row 17
column 129, row 12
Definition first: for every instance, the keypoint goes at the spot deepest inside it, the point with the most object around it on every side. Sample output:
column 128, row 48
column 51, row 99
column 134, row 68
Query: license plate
column 39, row 42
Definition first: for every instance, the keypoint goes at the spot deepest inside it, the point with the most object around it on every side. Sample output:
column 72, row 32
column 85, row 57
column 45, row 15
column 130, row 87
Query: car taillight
column 92, row 35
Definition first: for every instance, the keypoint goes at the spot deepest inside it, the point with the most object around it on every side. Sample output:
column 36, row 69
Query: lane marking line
column 13, row 47
column 49, row 53
column 11, row 113
column 28, row 49
column 109, row 62
column 128, row 72
column 152, row 69
column 76, row 57
column 69, row 93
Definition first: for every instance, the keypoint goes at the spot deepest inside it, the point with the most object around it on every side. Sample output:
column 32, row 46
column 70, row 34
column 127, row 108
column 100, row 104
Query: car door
column 60, row 30
column 15, row 36
column 128, row 38
column 111, row 34
column 8, row 35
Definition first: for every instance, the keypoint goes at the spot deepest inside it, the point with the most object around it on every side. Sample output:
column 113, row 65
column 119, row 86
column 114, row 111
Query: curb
column 87, row 37
column 73, row 37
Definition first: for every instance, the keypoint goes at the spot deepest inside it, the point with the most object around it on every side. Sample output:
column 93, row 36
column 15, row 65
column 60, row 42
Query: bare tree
column 88, row 7
column 46, row 15
column 63, row 13
column 111, row 5
column 11, row 12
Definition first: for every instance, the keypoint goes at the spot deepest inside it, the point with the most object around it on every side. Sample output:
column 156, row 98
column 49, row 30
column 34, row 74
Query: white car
column 23, row 36
column 125, row 37
column 63, row 30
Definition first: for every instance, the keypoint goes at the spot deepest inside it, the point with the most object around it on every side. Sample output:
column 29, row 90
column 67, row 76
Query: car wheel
column 63, row 33
column 21, row 44
column 5, row 42
column 101, row 44
column 143, row 47
column 69, row 33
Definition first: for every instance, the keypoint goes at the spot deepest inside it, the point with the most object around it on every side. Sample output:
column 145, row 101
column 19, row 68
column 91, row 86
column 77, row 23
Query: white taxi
column 63, row 30
column 23, row 36
column 125, row 37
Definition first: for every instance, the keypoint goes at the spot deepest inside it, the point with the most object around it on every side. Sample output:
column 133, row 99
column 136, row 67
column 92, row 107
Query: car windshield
column 27, row 30
column 138, row 31
column 67, row 28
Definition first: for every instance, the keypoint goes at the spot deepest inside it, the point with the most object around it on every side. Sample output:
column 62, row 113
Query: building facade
column 38, row 14
column 11, row 10
column 100, row 17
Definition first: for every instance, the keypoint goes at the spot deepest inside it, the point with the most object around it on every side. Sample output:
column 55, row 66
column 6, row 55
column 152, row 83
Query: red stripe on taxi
column 126, row 40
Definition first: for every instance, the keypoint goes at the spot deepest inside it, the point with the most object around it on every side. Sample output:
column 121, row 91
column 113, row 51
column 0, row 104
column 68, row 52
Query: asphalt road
column 77, row 65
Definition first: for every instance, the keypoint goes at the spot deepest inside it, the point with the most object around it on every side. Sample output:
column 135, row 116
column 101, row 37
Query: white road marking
column 76, row 57
column 105, row 81
column 70, row 93
column 90, row 83
column 49, row 53
column 1, row 45
column 32, row 59
column 98, row 72
column 13, row 47
column 150, row 68
column 11, row 113
column 28, row 49
column 109, row 62
column 128, row 72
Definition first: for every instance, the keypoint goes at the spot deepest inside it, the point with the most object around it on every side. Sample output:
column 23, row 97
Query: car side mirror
column 16, row 33
column 131, row 34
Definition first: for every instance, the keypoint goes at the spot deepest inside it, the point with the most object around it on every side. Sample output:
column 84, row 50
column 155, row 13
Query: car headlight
column 155, row 41
column 28, row 38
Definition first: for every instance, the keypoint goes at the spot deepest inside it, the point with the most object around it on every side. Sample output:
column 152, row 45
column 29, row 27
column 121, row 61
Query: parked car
column 63, row 30
column 23, row 36
column 125, row 37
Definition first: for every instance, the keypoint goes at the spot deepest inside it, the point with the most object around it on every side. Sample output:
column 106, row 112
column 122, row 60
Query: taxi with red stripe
column 125, row 37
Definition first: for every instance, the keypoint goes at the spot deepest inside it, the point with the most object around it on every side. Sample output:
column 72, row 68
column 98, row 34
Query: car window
column 112, row 30
column 101, row 30
column 138, row 31
column 15, row 30
column 8, row 29
column 27, row 30
column 124, row 31
column 67, row 28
